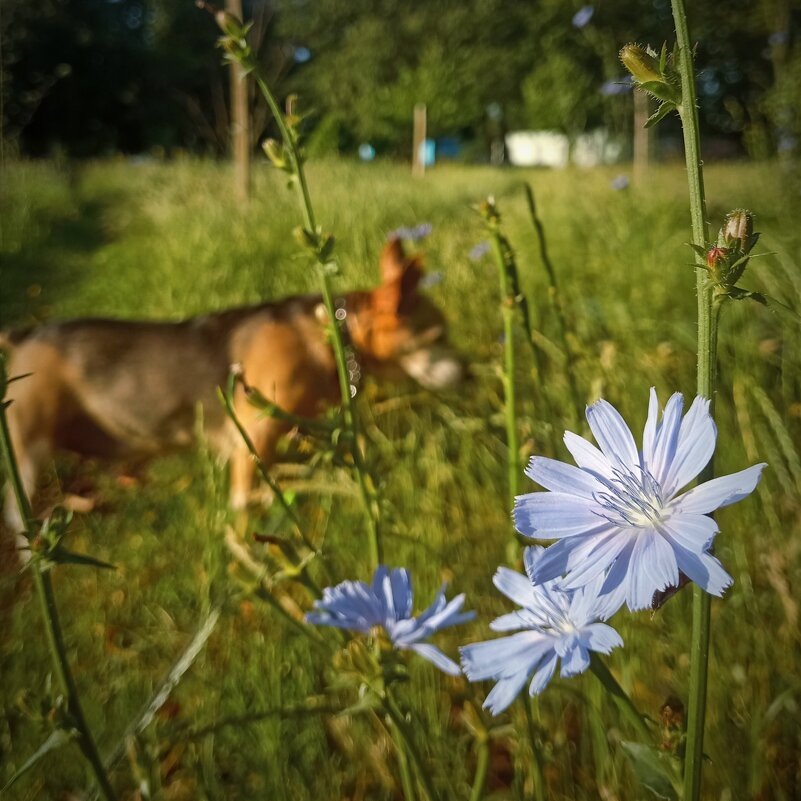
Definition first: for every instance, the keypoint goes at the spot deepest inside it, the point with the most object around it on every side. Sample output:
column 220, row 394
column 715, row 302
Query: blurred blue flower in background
column 619, row 183
column 617, row 87
column 583, row 16
column 479, row 251
column 557, row 625
column 618, row 513
column 387, row 602
column 414, row 234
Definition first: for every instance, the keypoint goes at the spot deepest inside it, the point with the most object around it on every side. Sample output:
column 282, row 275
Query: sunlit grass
column 165, row 240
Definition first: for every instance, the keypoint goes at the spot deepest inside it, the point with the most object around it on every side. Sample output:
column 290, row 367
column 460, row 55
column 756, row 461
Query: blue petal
column 612, row 434
column 504, row 692
column 401, row 583
column 575, row 661
column 543, row 675
column 649, row 432
column 512, row 621
column 587, row 456
column 561, row 477
column 606, row 550
column 437, row 658
column 694, row 532
column 600, row 637
column 505, row 656
column 719, row 492
column 659, row 563
column 639, row 585
column 553, row 515
column 694, row 449
column 702, row 568
column 515, row 586
column 667, row 438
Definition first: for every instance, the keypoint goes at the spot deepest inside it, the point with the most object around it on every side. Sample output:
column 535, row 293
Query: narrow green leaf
column 660, row 113
column 62, row 556
column 57, row 739
column 655, row 769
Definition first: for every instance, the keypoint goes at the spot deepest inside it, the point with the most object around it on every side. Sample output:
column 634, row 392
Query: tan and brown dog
column 118, row 387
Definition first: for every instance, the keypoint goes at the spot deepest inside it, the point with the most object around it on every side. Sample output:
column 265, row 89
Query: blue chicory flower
column 583, row 16
column 617, row 87
column 619, row 183
column 387, row 602
column 478, row 251
column 415, row 234
column 557, row 624
column 619, row 514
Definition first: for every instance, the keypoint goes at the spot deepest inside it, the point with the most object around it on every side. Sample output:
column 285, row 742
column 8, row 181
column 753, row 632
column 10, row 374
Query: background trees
column 94, row 76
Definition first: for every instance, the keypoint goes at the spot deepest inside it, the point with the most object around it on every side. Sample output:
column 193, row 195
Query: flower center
column 632, row 499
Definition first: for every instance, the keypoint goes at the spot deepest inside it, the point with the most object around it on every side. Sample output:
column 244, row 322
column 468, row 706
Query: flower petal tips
column 387, row 602
column 553, row 625
column 618, row 514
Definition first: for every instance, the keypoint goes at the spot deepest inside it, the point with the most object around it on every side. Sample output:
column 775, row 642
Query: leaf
column 57, row 739
column 62, row 556
column 660, row 113
column 654, row 769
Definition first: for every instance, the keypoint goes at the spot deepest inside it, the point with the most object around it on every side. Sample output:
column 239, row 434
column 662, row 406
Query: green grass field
column 165, row 241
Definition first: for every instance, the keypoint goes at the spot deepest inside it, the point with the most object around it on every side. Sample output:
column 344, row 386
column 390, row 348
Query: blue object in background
column 428, row 151
column 449, row 147
column 366, row 151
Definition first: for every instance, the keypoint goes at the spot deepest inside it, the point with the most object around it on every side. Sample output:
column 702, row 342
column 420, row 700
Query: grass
column 165, row 240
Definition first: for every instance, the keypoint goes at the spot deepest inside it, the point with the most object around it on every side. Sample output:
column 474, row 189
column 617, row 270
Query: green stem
column 482, row 767
column 44, row 589
column 400, row 725
column 556, row 301
column 531, row 707
column 707, row 341
column 407, row 782
column 510, row 399
column 366, row 490
column 621, row 698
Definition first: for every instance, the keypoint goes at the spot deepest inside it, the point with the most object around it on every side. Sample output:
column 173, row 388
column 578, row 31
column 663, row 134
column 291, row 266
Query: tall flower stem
column 47, row 601
column 621, row 698
column 366, row 488
column 707, row 342
column 407, row 782
column 400, row 725
column 482, row 767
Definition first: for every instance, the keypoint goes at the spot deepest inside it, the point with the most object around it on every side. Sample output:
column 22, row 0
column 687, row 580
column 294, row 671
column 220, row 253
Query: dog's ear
column 399, row 279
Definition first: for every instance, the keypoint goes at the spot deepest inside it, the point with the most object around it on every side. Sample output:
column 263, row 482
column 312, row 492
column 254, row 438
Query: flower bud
column 228, row 23
column 275, row 152
column 642, row 63
column 738, row 230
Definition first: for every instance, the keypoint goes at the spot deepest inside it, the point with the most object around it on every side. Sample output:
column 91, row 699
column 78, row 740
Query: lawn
column 165, row 240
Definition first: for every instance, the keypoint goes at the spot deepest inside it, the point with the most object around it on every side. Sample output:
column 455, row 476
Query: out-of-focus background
column 119, row 197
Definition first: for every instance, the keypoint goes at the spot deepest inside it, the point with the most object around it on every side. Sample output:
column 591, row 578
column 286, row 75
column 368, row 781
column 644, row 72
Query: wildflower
column 412, row 234
column 583, row 16
column 619, row 183
column 619, row 512
column 557, row 624
column 387, row 602
column 478, row 251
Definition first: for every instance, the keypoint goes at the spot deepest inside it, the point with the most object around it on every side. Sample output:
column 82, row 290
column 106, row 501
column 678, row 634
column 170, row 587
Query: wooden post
column 240, row 120
column 418, row 140
column 642, row 137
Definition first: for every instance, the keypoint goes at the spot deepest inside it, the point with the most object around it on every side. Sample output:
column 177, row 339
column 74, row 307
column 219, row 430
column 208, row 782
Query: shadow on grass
column 47, row 269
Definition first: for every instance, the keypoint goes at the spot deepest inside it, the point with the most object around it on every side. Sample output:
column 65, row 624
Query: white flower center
column 633, row 500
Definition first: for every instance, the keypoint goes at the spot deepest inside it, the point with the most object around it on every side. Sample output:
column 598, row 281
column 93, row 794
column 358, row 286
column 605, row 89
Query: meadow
column 166, row 240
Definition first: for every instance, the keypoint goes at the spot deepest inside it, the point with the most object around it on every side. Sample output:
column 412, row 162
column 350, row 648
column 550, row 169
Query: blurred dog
column 117, row 387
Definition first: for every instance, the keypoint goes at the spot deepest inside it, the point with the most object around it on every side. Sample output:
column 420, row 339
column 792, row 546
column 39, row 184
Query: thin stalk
column 55, row 637
column 621, row 698
column 399, row 723
column 707, row 342
column 556, row 301
column 407, row 781
column 509, row 361
column 532, row 711
column 366, row 489
column 482, row 767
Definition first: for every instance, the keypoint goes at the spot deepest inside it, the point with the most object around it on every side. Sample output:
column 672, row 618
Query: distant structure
column 552, row 149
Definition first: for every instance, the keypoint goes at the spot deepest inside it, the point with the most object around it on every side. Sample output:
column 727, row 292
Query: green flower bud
column 738, row 231
column 642, row 63
column 275, row 152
